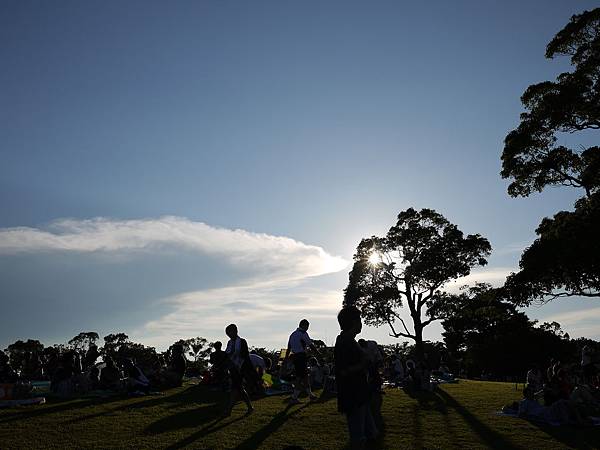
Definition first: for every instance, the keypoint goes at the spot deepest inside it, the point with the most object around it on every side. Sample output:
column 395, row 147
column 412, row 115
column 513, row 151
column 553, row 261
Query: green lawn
column 455, row 416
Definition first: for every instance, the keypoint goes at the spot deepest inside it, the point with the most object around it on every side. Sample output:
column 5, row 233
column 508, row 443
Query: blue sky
column 168, row 168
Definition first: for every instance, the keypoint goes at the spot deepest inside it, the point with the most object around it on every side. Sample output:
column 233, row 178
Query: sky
column 168, row 168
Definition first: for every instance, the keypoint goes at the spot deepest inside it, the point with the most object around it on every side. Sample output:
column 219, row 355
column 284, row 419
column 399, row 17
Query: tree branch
column 402, row 321
column 396, row 334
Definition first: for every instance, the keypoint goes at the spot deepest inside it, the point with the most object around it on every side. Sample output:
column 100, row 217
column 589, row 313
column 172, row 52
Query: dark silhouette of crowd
column 562, row 393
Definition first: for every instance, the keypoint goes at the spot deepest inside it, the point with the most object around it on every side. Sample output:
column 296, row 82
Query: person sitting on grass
column 562, row 412
column 316, row 373
column 260, row 367
column 535, row 379
column 110, row 375
column 239, row 366
column 136, row 380
column 62, row 382
column 218, row 361
column 351, row 372
column 174, row 374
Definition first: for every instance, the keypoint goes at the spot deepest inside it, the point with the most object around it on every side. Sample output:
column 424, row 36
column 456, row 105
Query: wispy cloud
column 206, row 277
column 284, row 257
column 582, row 322
column 264, row 313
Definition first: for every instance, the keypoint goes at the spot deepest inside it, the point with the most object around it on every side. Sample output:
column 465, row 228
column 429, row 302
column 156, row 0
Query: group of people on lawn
column 562, row 394
column 78, row 373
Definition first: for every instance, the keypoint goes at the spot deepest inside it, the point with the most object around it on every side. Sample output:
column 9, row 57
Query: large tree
column 564, row 260
column 419, row 255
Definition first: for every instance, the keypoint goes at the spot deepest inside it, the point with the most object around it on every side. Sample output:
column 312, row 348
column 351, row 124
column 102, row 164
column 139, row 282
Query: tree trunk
column 419, row 348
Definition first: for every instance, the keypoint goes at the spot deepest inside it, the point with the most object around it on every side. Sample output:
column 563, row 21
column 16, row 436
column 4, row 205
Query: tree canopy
column 420, row 254
column 532, row 157
column 564, row 260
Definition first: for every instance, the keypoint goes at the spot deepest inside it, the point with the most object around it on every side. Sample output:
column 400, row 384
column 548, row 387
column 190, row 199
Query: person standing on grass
column 351, row 373
column 239, row 366
column 298, row 343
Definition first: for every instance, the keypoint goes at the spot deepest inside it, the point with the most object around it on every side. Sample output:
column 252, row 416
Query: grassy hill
column 455, row 416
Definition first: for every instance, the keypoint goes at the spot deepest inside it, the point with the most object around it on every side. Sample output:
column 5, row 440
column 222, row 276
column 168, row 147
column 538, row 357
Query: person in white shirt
column 298, row 343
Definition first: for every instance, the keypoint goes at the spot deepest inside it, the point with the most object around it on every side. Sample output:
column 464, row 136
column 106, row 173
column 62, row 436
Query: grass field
column 455, row 416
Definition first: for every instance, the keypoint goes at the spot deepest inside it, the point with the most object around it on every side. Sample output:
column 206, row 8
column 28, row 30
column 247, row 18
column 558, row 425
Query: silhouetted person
column 136, row 380
column 587, row 364
column 351, row 371
column 298, row 343
column 534, row 379
column 239, row 367
column 177, row 365
column 374, row 359
column 218, row 360
column 110, row 376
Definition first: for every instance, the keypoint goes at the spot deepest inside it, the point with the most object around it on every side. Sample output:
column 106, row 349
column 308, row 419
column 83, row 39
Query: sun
column 375, row 258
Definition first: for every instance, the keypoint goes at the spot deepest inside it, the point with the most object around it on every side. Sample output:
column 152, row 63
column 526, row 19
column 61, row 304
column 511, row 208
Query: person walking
column 298, row 344
column 239, row 366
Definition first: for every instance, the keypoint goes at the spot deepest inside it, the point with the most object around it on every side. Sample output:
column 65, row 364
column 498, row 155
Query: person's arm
column 244, row 352
column 314, row 348
column 288, row 350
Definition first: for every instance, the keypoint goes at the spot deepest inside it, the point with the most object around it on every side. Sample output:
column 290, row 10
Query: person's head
column 362, row 343
column 303, row 325
column 231, row 331
column 217, row 345
column 349, row 319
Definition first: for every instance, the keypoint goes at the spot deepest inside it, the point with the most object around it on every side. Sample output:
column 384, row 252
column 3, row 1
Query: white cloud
column 265, row 314
column 283, row 257
column 262, row 285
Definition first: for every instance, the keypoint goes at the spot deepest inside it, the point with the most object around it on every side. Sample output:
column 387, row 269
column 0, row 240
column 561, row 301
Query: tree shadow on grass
column 491, row 438
column 428, row 400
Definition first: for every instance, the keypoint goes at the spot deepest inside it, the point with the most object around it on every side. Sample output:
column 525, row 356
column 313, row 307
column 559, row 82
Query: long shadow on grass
column 490, row 437
column 276, row 422
column 192, row 394
column 61, row 406
column 190, row 418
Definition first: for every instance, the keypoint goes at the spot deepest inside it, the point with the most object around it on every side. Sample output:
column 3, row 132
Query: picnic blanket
column 22, row 402
column 595, row 420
